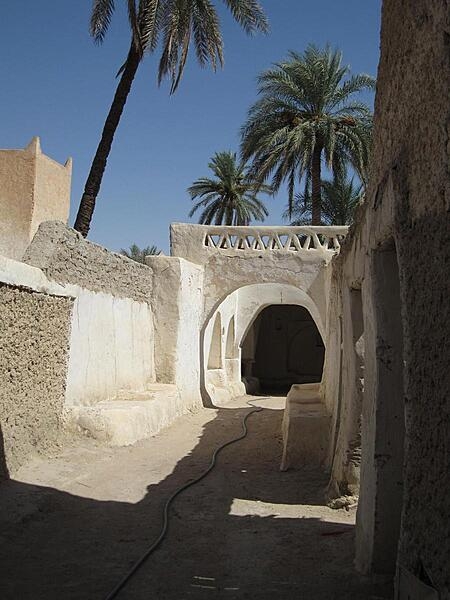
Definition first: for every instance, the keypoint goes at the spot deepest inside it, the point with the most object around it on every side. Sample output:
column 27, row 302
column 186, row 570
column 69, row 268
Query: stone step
column 130, row 417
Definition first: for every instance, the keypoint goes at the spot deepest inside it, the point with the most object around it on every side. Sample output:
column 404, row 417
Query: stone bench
column 130, row 417
column 306, row 428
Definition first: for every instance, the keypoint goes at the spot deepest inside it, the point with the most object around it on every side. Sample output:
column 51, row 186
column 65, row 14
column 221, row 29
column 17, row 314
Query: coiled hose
column 123, row 582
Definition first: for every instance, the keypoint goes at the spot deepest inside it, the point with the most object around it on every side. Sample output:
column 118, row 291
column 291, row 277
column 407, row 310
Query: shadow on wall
column 228, row 535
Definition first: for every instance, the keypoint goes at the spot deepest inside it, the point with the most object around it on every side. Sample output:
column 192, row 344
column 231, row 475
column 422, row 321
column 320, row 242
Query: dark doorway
column 283, row 346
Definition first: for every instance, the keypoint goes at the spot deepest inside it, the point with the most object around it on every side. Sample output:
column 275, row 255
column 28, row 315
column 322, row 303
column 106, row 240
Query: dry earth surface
column 72, row 525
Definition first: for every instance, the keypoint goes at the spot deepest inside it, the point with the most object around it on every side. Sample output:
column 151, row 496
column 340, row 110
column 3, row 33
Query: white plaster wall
column 111, row 347
column 253, row 298
column 187, row 360
column 177, row 304
column 224, row 275
column 225, row 383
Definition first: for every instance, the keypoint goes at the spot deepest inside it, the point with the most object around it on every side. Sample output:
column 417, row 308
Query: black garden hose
column 123, row 582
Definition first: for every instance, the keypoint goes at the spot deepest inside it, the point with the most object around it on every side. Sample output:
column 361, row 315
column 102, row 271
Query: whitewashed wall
column 111, row 347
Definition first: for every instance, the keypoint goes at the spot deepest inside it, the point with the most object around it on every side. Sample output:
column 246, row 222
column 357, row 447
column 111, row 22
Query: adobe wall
column 35, row 319
column 412, row 145
column 66, row 257
column 399, row 246
column 33, row 188
column 112, row 333
column 83, row 326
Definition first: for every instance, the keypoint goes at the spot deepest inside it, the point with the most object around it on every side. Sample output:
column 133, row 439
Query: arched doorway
column 282, row 347
column 234, row 321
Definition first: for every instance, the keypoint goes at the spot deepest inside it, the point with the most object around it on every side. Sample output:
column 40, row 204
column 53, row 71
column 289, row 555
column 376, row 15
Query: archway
column 239, row 312
column 282, row 347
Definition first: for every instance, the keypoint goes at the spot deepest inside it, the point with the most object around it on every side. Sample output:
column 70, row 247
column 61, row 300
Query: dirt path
column 71, row 526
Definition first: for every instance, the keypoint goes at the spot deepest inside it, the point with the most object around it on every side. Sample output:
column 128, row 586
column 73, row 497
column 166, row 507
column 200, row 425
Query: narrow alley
column 73, row 525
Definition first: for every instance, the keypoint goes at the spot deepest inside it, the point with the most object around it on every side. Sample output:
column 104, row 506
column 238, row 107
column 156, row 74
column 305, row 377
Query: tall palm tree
column 307, row 114
column 339, row 199
column 231, row 198
column 139, row 254
column 177, row 23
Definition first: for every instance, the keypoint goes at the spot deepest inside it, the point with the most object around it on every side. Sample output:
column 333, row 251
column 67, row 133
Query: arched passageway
column 282, row 346
column 229, row 341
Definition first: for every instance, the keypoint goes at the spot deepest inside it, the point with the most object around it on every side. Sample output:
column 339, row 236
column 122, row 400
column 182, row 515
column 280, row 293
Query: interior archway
column 282, row 347
column 235, row 319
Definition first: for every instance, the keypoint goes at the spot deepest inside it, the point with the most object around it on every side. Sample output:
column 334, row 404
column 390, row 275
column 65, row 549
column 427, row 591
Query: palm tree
column 139, row 254
column 339, row 199
column 177, row 22
column 307, row 113
column 230, row 198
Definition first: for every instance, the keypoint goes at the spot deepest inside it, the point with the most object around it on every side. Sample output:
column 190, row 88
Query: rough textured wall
column 66, row 257
column 34, row 338
column 412, row 148
column 346, row 389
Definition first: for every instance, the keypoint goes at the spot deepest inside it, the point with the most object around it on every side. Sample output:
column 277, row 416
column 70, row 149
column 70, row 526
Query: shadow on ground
column 237, row 534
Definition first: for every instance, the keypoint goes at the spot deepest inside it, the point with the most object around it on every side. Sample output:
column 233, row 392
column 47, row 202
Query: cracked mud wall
column 34, row 344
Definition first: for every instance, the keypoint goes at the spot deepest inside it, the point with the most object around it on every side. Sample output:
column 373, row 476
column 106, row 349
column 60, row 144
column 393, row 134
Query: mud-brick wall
column 35, row 329
column 412, row 149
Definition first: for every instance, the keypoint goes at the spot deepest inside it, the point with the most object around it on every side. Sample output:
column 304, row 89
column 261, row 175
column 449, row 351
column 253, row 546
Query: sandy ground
column 72, row 525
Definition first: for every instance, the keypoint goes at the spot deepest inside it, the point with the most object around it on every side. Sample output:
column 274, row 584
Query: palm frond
column 150, row 15
column 339, row 199
column 249, row 14
column 307, row 100
column 138, row 254
column 232, row 196
column 102, row 11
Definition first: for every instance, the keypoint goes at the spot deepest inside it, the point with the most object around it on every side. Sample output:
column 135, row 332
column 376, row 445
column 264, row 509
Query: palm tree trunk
column 316, row 179
column 94, row 180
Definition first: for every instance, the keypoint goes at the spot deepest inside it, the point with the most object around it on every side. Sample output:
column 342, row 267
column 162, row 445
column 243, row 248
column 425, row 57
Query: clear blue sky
column 57, row 84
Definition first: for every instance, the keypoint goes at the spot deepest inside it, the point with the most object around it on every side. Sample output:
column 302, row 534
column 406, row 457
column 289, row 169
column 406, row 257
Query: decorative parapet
column 199, row 242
